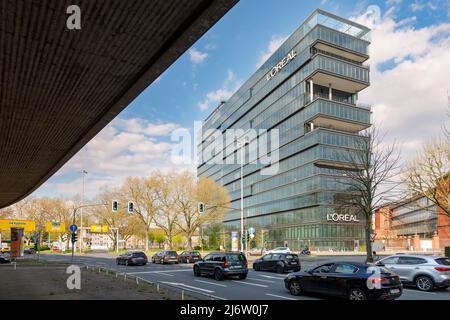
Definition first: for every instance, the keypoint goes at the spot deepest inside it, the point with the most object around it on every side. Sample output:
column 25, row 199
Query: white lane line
column 162, row 271
column 282, row 297
column 212, row 283
column 262, row 280
column 251, row 283
column 271, row 277
column 164, row 274
column 418, row 292
column 187, row 286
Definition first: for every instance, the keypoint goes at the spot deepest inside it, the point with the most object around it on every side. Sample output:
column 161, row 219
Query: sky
column 410, row 66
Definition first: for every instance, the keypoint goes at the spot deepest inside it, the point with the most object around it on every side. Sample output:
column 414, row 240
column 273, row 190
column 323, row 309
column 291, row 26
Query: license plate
column 236, row 267
column 395, row 291
column 293, row 262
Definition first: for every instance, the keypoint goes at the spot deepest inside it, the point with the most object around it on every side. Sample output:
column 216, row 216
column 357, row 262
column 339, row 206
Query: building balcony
column 336, row 115
column 340, row 75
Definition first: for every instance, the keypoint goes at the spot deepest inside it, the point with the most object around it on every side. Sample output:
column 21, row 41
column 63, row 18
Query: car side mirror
column 310, row 271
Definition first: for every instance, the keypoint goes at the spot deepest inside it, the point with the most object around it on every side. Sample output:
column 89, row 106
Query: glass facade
column 312, row 103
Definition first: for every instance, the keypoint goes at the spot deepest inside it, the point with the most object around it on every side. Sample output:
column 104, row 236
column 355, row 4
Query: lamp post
column 242, row 143
column 83, row 172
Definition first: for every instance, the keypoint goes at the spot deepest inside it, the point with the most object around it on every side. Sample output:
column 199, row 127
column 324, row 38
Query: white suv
column 280, row 250
column 425, row 272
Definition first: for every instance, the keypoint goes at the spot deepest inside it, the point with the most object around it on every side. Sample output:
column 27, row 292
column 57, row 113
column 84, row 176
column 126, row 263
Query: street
column 258, row 285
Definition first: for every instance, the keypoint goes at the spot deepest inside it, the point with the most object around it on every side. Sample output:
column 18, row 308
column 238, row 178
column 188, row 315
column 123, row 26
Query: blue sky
column 409, row 36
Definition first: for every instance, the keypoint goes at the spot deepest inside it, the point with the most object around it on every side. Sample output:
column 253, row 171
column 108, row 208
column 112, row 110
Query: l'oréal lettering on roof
column 280, row 65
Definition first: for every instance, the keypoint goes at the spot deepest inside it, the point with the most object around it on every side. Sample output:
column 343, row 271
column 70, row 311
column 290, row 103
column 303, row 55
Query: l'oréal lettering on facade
column 308, row 90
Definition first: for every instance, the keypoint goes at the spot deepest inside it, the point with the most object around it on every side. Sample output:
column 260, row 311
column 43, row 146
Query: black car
column 221, row 265
column 5, row 258
column 165, row 256
column 354, row 281
column 132, row 258
column 189, row 256
column 279, row 262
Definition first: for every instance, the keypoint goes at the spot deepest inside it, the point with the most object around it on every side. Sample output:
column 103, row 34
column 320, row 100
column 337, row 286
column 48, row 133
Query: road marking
column 416, row 291
column 158, row 271
column 187, row 286
column 271, row 277
column 164, row 274
column 251, row 284
column 256, row 279
column 282, row 297
column 214, row 284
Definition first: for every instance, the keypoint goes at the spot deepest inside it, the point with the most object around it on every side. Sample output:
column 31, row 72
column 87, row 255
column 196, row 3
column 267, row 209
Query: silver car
column 423, row 271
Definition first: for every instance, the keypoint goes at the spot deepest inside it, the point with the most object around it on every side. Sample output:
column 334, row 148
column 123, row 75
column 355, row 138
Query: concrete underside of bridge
column 60, row 87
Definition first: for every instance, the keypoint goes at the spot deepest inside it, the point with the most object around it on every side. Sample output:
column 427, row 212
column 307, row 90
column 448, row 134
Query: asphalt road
column 258, row 285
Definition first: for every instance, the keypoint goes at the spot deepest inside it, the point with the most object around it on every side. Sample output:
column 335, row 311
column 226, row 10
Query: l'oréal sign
column 336, row 217
column 280, row 65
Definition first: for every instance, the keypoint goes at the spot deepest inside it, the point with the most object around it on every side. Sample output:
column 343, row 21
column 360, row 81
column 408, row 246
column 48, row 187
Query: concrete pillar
column 436, row 245
column 330, row 92
column 356, row 98
column 311, row 89
column 416, row 242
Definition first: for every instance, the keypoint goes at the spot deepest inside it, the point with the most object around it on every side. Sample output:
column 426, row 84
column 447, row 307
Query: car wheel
column 196, row 271
column 280, row 269
column 242, row 276
column 356, row 294
column 218, row 275
column 295, row 288
column 256, row 267
column 424, row 283
column 297, row 269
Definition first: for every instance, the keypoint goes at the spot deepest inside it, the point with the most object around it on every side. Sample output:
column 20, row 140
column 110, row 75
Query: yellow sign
column 27, row 225
column 99, row 228
column 55, row 227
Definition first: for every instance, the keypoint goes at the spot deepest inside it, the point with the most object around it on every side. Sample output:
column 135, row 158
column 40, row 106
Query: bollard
column 124, row 276
column 137, row 281
column 182, row 294
column 157, row 287
column 15, row 265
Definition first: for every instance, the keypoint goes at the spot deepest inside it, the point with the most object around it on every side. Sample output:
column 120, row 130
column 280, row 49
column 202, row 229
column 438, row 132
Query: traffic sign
column 73, row 227
column 372, row 237
column 251, row 230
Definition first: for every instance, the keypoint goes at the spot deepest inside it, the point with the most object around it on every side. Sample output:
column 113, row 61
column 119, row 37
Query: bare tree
column 428, row 174
column 370, row 179
column 188, row 193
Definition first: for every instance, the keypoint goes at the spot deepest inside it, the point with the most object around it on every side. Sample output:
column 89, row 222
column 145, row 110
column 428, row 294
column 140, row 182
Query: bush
column 197, row 248
column 43, row 248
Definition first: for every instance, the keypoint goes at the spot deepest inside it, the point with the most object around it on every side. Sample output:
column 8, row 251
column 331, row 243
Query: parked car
column 353, row 281
column 165, row 256
column 279, row 262
column 221, row 265
column 189, row 256
column 424, row 272
column 5, row 257
column 5, row 249
column 132, row 258
column 280, row 250
column 29, row 250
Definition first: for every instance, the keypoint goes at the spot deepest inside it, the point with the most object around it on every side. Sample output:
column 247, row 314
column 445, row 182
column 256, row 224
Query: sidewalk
column 38, row 281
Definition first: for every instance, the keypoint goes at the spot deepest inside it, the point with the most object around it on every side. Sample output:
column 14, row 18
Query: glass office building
column 308, row 91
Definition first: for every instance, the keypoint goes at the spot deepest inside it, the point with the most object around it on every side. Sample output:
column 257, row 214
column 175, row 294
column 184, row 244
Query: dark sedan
column 5, row 258
column 132, row 258
column 279, row 262
column 166, row 256
column 189, row 256
column 354, row 281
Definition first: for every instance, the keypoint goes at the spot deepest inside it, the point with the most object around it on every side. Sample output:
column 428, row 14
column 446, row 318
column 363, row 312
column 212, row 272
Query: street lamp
column 241, row 143
column 84, row 173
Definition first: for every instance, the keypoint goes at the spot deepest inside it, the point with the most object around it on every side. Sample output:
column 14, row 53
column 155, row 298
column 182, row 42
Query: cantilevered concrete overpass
column 60, row 87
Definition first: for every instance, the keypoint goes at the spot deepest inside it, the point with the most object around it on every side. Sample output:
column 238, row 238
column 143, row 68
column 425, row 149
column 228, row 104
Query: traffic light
column 130, row 207
column 201, row 207
column 115, row 205
column 74, row 237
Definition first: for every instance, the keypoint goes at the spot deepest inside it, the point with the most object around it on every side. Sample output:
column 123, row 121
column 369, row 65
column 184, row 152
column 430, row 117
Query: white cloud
column 126, row 147
column 197, row 56
column 408, row 81
column 273, row 45
column 229, row 87
column 418, row 5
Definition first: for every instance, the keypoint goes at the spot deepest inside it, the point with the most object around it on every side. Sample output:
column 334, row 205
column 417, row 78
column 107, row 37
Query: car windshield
column 171, row 252
column 292, row 257
column 138, row 254
column 443, row 261
column 236, row 257
column 195, row 254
